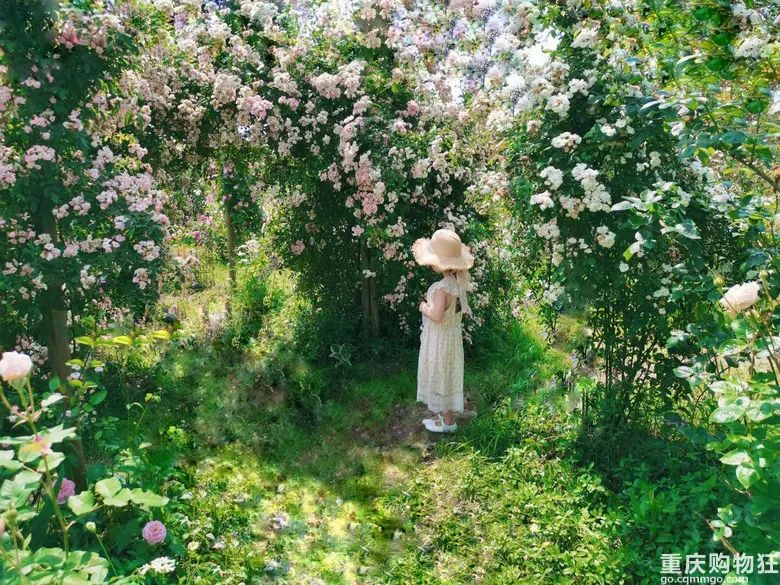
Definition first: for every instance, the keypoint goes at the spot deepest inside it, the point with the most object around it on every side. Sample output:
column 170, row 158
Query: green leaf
column 676, row 339
column 684, row 61
column 39, row 526
column 54, row 383
column 722, row 39
column 756, row 106
column 162, row 335
column 727, row 414
column 84, row 340
column 52, row 557
column 98, row 397
column 746, row 475
column 119, row 500
column 128, row 531
column 15, row 492
column 621, row 206
column 761, row 410
column 764, row 153
column 687, row 229
column 29, row 452
column 52, row 460
column 732, row 347
column 7, row 460
column 734, row 137
column 716, row 64
column 108, row 488
column 122, row 340
column 684, row 372
column 735, row 457
column 82, row 503
column 146, row 498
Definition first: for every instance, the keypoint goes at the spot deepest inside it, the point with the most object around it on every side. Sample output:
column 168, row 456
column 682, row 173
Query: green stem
column 4, row 399
column 57, row 511
column 105, row 552
column 49, row 481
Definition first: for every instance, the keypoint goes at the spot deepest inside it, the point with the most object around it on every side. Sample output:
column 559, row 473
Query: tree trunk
column 373, row 302
column 55, row 323
column 365, row 292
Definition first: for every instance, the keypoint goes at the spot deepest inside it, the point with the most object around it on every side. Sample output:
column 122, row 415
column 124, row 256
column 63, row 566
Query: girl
column 440, row 367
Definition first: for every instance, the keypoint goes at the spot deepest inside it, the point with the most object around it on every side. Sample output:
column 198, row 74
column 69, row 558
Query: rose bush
column 628, row 236
column 82, row 222
column 42, row 515
column 672, row 195
column 319, row 119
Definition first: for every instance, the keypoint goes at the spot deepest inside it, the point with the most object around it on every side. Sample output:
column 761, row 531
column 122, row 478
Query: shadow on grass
column 338, row 457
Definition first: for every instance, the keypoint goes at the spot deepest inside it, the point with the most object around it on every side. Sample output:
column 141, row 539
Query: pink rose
column 357, row 231
column 15, row 366
column 67, row 489
column 154, row 532
column 298, row 247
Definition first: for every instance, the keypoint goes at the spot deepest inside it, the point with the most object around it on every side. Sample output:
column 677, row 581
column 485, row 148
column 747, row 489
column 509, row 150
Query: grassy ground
column 293, row 473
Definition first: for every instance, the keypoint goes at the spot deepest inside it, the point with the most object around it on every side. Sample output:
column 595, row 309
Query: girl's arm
column 435, row 310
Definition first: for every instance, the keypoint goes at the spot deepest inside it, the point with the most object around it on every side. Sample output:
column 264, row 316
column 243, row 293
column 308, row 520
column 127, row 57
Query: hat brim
column 425, row 256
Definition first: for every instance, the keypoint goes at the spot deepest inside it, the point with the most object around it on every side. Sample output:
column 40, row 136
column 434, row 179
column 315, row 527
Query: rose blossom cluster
column 78, row 198
column 317, row 110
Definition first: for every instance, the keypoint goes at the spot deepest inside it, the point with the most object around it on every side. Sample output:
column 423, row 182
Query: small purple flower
column 280, row 521
column 67, row 489
column 154, row 532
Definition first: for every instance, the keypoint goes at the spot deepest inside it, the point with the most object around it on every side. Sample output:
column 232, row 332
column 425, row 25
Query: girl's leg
column 449, row 417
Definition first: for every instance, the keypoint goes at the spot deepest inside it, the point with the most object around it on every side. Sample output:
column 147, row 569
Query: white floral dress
column 440, row 366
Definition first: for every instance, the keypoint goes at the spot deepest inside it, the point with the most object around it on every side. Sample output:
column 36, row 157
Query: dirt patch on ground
column 404, row 426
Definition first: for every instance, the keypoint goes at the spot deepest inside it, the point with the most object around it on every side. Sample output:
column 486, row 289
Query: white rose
column 740, row 297
column 15, row 366
column 52, row 399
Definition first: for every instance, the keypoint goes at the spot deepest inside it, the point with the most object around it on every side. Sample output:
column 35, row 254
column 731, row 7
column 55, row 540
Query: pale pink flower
column 298, row 247
column 15, row 366
column 42, row 445
column 154, row 532
column 740, row 297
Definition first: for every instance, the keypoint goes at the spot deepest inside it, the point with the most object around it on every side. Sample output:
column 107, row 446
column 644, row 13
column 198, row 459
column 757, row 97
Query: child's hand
column 423, row 305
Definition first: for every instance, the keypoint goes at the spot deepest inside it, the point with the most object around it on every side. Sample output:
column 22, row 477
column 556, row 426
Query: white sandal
column 439, row 426
column 436, row 418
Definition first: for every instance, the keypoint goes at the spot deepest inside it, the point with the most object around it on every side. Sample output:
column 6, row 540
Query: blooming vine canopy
column 82, row 221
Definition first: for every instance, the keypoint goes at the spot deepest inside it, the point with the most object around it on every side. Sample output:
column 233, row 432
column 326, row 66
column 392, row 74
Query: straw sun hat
column 444, row 250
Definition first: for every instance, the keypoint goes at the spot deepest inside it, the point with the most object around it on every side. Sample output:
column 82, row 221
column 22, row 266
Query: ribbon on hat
column 463, row 278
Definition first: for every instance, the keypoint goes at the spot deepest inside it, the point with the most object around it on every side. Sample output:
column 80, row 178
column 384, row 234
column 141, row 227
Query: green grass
column 311, row 473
